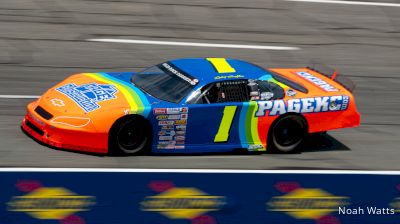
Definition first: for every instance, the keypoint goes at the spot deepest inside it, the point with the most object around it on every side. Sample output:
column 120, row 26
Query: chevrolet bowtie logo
column 57, row 102
column 51, row 203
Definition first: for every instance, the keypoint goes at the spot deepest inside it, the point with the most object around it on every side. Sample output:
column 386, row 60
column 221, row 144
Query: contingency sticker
column 172, row 127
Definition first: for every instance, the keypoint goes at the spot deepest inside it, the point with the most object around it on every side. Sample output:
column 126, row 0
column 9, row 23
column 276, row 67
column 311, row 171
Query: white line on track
column 102, row 170
column 18, row 97
column 193, row 44
column 388, row 4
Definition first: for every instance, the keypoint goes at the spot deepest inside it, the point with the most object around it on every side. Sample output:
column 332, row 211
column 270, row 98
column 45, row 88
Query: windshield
column 165, row 82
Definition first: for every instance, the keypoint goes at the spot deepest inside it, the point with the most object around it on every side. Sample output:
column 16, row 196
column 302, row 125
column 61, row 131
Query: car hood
column 96, row 94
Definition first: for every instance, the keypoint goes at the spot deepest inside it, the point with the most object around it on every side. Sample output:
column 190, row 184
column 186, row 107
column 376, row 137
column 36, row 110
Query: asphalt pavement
column 44, row 41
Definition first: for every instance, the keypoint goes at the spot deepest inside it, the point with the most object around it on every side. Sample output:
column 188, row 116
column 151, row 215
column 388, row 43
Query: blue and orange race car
column 191, row 105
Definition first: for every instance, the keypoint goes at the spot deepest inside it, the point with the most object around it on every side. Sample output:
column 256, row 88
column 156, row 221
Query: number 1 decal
column 225, row 125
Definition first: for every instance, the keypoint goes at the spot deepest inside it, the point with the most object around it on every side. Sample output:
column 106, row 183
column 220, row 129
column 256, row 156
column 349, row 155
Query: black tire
column 287, row 133
column 130, row 136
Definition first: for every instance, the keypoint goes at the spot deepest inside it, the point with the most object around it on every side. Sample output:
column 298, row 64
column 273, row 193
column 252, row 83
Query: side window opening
column 230, row 91
column 237, row 91
column 275, row 89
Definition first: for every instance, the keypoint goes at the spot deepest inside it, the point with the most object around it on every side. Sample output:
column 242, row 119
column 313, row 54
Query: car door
column 214, row 116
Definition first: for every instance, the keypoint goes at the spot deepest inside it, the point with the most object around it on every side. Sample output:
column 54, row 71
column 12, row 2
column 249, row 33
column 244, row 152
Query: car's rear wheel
column 130, row 136
column 287, row 134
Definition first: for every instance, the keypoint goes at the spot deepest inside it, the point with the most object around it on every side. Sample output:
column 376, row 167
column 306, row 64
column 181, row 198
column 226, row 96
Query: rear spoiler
column 334, row 75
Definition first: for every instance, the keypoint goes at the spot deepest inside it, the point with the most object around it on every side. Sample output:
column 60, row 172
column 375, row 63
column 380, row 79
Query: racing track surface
column 43, row 41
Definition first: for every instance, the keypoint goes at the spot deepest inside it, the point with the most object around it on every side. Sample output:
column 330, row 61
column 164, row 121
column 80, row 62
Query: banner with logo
column 197, row 198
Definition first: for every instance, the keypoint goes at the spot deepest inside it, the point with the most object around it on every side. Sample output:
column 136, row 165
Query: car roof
column 205, row 69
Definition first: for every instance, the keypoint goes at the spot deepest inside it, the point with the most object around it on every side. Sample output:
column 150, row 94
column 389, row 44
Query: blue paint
column 119, row 199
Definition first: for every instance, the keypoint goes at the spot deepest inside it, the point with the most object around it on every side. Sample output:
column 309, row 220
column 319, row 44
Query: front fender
column 104, row 121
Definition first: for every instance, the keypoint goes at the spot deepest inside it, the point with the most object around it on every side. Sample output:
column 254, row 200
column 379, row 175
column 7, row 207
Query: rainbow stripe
column 285, row 87
column 248, row 131
column 137, row 101
column 269, row 78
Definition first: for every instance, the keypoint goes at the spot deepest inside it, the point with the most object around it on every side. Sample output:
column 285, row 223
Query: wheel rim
column 288, row 133
column 130, row 138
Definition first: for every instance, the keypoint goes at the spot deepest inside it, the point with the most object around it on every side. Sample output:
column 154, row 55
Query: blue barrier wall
column 196, row 198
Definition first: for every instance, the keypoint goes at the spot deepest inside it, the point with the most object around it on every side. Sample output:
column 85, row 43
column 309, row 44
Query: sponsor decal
column 317, row 81
column 303, row 105
column 255, row 147
column 181, row 127
column 229, row 77
column 57, row 102
column 171, row 69
column 184, row 109
column 305, row 203
column 165, row 138
column 163, row 146
column 291, row 92
column 167, row 127
column 87, row 96
column 170, row 117
column 177, row 110
column 180, row 142
column 266, row 95
column 163, row 132
column 166, row 122
column 174, row 117
column 180, row 138
column 180, row 122
column 171, row 120
column 55, row 203
column 173, row 110
column 160, row 110
column 182, row 202
column 180, row 132
column 171, row 146
column 166, row 142
column 168, row 145
column 162, row 117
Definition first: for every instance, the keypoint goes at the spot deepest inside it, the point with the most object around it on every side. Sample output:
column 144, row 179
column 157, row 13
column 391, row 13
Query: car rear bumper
column 334, row 120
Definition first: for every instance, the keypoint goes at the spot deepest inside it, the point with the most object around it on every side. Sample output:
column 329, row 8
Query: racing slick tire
column 130, row 135
column 287, row 133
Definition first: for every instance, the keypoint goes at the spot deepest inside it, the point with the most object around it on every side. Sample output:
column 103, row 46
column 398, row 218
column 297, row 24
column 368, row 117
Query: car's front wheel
column 130, row 136
column 287, row 133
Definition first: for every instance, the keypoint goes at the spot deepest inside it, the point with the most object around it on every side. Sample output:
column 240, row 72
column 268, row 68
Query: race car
column 192, row 105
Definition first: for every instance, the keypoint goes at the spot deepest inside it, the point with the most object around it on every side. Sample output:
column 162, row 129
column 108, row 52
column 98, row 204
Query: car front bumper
column 64, row 138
